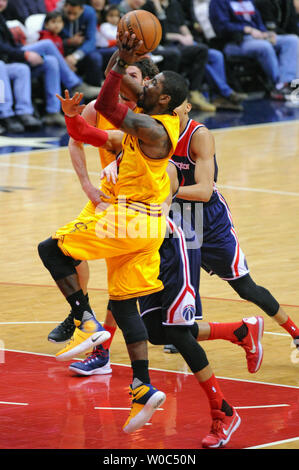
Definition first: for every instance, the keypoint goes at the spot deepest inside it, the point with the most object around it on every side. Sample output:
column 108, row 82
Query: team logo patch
column 189, row 312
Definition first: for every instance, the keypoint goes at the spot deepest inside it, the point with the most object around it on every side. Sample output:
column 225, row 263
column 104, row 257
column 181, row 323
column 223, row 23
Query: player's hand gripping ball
column 145, row 26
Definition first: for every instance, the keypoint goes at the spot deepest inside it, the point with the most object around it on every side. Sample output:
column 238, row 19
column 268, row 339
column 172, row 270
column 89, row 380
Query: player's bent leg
column 65, row 330
column 249, row 290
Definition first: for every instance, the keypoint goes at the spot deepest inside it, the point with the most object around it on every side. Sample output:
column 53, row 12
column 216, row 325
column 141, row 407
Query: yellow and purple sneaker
column 87, row 335
column 146, row 400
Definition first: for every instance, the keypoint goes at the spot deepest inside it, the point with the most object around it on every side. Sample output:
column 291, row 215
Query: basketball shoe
column 296, row 342
column 223, row 427
column 252, row 343
column 98, row 362
column 88, row 334
column 146, row 399
column 64, row 331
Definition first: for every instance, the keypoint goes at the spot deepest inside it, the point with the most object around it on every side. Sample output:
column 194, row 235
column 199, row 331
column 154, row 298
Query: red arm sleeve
column 107, row 102
column 81, row 131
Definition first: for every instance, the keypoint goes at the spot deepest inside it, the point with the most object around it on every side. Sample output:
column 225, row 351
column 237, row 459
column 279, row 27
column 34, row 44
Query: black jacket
column 9, row 51
column 278, row 15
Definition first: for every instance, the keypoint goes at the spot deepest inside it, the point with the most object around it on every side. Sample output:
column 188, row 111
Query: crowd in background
column 49, row 44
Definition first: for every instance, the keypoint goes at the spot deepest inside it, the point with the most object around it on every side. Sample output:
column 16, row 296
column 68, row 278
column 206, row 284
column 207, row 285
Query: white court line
column 254, row 126
column 25, row 322
column 12, row 403
column 44, row 168
column 97, row 173
column 258, row 190
column 165, row 370
column 260, row 406
column 275, row 334
column 115, row 408
column 58, row 321
column 285, row 441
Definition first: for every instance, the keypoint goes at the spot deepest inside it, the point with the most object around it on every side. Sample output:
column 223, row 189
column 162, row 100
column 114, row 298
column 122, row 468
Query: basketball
column 145, row 26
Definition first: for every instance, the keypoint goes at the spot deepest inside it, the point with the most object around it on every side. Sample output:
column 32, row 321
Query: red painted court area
column 43, row 406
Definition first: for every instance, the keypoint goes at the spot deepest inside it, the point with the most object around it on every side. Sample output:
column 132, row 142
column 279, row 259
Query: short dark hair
column 176, row 87
column 108, row 8
column 147, row 67
column 75, row 3
column 52, row 15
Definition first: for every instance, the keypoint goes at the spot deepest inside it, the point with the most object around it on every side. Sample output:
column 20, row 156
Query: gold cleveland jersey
column 141, row 178
column 105, row 155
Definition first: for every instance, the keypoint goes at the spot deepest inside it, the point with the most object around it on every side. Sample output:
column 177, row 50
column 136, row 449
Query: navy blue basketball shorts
column 221, row 253
column 179, row 301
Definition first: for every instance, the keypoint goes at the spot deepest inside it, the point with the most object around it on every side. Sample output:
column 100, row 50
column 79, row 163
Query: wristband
column 121, row 63
column 81, row 131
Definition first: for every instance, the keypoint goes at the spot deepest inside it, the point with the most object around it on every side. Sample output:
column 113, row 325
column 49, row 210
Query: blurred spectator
column 51, row 5
column 278, row 15
column 99, row 6
column 193, row 56
column 21, row 9
column 240, row 26
column 169, row 55
column 106, row 33
column 79, row 35
column 197, row 15
column 16, row 112
column 215, row 71
column 53, row 26
column 128, row 5
column 296, row 5
column 44, row 60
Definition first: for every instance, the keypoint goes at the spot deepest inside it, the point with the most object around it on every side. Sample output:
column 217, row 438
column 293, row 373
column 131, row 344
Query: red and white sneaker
column 252, row 343
column 222, row 429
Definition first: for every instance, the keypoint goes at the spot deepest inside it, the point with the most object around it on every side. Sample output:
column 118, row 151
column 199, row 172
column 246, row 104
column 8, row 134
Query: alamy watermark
column 129, row 219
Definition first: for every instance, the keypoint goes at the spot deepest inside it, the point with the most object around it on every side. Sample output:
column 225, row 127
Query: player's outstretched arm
column 80, row 131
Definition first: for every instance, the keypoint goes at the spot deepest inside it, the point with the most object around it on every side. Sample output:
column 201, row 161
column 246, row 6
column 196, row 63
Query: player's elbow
column 207, row 194
column 74, row 144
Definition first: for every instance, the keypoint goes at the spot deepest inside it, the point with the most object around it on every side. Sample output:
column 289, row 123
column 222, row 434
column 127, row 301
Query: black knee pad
column 249, row 290
column 183, row 339
column 54, row 260
column 127, row 317
column 77, row 262
column 154, row 327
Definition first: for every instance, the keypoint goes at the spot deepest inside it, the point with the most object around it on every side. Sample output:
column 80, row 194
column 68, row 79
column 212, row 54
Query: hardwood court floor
column 258, row 176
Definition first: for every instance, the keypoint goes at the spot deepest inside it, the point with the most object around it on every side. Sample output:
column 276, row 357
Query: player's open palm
column 71, row 106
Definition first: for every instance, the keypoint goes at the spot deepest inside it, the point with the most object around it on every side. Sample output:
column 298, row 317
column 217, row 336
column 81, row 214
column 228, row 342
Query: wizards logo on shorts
column 189, row 312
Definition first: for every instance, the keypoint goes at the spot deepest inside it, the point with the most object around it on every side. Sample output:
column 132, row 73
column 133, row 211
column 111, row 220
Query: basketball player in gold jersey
column 129, row 233
column 142, row 70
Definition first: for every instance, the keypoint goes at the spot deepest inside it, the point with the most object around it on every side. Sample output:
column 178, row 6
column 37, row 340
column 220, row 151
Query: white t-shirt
column 106, row 32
